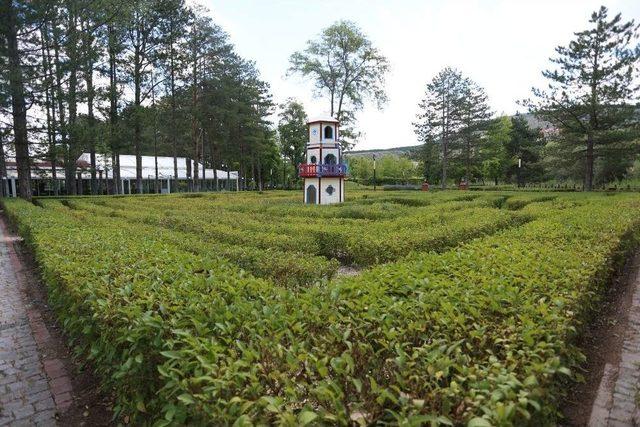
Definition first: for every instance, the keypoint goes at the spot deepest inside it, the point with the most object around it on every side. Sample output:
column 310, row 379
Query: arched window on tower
column 330, row 159
column 328, row 132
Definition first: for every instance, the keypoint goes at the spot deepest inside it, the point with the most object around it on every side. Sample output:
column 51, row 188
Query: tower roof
column 323, row 119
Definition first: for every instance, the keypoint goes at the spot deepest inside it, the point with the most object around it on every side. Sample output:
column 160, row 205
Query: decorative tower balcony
column 313, row 170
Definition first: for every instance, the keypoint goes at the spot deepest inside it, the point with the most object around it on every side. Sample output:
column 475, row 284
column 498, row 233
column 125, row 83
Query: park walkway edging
column 616, row 402
column 34, row 387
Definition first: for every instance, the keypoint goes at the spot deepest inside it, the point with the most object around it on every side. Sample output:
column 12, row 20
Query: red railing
column 310, row 170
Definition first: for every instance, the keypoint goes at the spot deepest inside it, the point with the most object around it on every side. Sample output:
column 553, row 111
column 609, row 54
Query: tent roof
column 42, row 169
column 165, row 167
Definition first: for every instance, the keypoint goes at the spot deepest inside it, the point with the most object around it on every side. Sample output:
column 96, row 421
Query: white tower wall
column 323, row 170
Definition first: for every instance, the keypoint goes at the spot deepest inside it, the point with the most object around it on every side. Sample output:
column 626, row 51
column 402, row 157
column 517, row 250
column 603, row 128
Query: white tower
column 323, row 171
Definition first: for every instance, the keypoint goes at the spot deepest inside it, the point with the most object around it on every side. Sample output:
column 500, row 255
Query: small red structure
column 464, row 185
column 425, row 186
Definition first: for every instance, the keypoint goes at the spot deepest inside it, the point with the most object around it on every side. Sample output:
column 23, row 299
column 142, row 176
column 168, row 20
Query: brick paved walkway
column 616, row 403
column 32, row 389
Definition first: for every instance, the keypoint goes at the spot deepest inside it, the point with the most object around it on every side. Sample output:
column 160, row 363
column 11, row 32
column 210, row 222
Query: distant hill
column 397, row 151
column 533, row 122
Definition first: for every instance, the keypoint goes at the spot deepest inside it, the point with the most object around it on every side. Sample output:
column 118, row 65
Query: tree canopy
column 147, row 77
column 591, row 91
column 344, row 66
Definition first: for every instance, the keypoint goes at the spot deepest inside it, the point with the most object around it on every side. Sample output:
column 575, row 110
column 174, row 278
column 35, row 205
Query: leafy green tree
column 429, row 159
column 360, row 168
column 396, row 169
column 523, row 151
column 493, row 168
column 344, row 64
column 390, row 169
column 591, row 89
column 495, row 157
column 292, row 131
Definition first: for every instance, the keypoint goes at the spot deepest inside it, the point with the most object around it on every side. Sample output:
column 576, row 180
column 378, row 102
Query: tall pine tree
column 591, row 89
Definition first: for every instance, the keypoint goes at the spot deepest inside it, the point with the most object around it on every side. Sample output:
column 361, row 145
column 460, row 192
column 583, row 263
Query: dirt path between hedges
column 39, row 382
column 609, row 396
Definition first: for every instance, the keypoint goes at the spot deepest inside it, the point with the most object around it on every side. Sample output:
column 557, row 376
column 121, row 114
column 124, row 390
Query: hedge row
column 478, row 335
column 433, row 227
column 436, row 231
column 287, row 268
column 121, row 297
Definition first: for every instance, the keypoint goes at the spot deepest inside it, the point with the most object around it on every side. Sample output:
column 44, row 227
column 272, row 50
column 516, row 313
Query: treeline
column 587, row 119
column 384, row 169
column 154, row 77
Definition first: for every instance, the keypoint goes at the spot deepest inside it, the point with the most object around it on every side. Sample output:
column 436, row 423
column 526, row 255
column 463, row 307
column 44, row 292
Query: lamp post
column 374, row 172
column 520, row 172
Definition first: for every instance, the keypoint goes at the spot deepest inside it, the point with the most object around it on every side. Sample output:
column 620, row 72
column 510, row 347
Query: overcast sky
column 501, row 44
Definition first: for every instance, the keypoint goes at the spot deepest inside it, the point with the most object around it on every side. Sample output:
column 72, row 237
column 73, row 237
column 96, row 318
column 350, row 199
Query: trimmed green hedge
column 480, row 334
column 484, row 331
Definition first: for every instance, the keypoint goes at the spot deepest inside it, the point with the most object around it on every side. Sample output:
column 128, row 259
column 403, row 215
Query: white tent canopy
column 42, row 169
column 165, row 167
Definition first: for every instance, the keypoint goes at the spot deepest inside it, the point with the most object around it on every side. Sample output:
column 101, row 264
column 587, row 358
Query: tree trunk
column 172, row 128
column 194, row 122
column 175, row 170
column 445, row 155
column 589, row 159
column 332, row 101
column 50, row 105
column 3, row 169
column 59, row 96
column 443, row 184
column 214, row 164
column 259, row 175
column 72, row 102
column 113, row 109
column 203, row 184
column 92, row 145
column 137, row 81
column 87, row 47
column 155, row 133
column 155, row 153
column 468, row 161
column 188, row 164
column 18, row 106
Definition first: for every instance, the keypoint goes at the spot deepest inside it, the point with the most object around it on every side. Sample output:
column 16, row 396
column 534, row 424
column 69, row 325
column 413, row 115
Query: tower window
column 328, row 132
column 329, row 159
column 330, row 190
column 313, row 159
